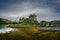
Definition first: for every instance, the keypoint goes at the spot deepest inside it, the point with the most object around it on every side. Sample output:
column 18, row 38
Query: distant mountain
column 5, row 21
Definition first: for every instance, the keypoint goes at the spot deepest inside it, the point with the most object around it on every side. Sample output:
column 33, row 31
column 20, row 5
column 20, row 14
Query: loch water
column 4, row 28
column 3, row 25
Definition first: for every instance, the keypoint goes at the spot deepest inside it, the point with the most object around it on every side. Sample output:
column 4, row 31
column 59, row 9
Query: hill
column 5, row 21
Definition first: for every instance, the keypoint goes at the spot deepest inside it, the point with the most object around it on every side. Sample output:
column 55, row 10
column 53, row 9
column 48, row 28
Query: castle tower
column 33, row 17
column 22, row 19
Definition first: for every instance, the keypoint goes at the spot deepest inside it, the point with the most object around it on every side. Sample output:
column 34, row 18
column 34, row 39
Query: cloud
column 16, row 10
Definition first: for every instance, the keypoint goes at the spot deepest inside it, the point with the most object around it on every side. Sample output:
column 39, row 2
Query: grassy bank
column 20, row 26
column 30, row 34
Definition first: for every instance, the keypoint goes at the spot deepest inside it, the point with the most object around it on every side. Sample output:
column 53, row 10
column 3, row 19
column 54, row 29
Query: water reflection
column 4, row 29
column 3, row 25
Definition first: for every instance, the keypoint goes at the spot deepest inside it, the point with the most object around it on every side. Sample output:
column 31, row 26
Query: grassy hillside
column 5, row 21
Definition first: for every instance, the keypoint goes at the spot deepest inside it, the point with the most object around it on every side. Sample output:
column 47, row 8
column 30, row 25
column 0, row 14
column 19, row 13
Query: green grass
column 20, row 26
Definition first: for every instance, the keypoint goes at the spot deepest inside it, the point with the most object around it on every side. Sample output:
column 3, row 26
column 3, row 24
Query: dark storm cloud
column 6, row 4
column 14, row 9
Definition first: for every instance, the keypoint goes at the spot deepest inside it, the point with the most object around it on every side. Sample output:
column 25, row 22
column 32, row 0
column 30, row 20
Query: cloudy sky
column 44, row 9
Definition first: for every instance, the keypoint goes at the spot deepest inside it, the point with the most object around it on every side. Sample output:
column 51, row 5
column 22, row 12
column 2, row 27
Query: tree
column 43, row 23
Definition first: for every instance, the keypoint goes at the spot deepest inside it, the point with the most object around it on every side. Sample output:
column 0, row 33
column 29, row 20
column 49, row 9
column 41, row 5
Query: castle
column 32, row 18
